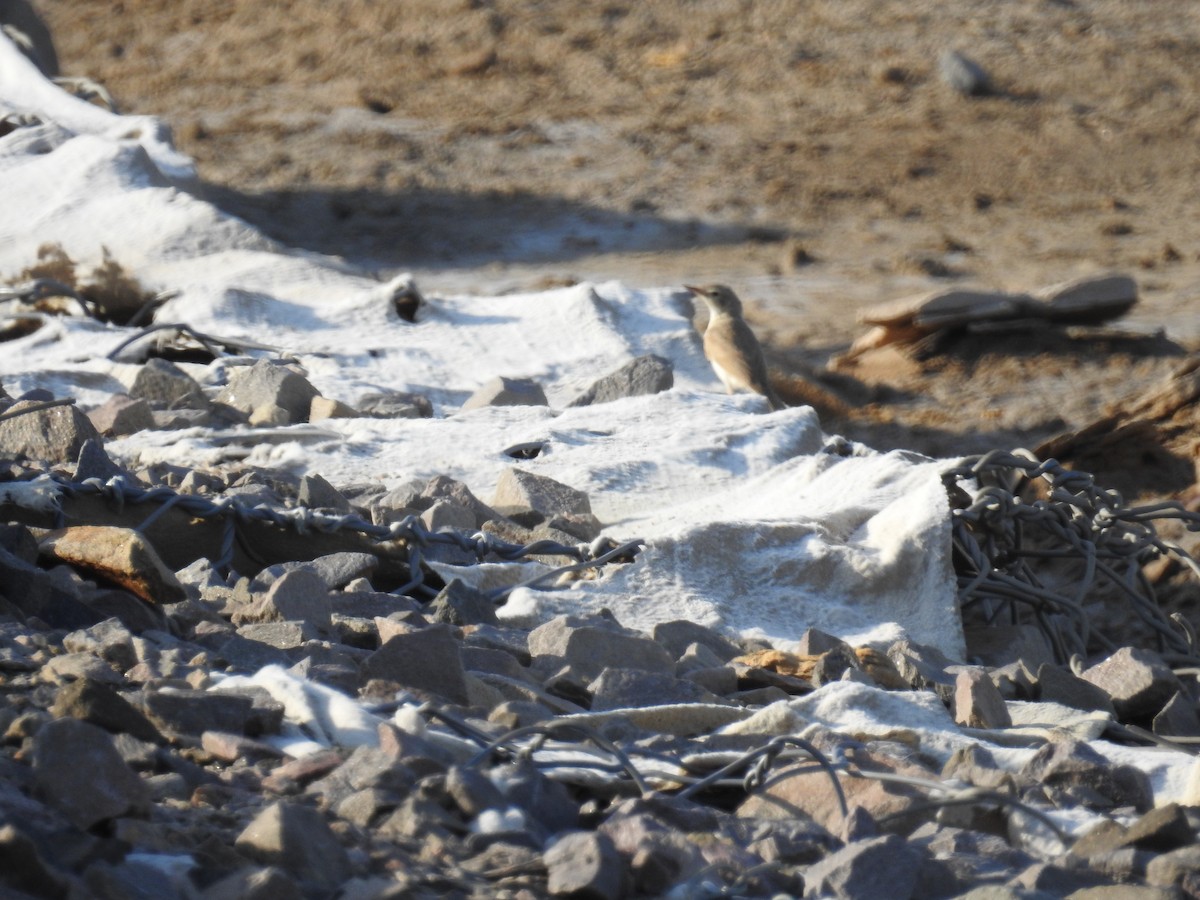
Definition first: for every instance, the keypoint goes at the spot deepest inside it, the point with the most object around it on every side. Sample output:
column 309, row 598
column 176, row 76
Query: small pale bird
column 731, row 346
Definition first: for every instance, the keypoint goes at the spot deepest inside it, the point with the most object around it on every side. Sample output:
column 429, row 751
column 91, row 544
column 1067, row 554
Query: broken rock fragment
column 267, row 384
column 119, row 555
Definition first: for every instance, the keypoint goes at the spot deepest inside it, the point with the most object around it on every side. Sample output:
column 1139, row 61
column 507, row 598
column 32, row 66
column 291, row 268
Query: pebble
column 648, row 374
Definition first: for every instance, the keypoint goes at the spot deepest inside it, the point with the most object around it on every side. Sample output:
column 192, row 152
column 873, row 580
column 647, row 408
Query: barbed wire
column 1006, row 547
column 409, row 531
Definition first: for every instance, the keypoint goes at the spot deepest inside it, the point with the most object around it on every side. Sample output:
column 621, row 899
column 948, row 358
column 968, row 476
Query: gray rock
column 426, row 660
column 298, row 595
column 268, row 384
column 1073, row 766
column 1059, row 685
column 1056, row 880
column 266, row 883
column 975, row 764
column 1138, row 681
column 645, row 375
column 590, row 646
column 297, row 839
column 521, row 490
column 923, row 668
column 195, row 712
column 367, row 768
column 885, row 868
column 624, row 688
column 1171, row 868
column 317, row 493
column 396, row 405
column 55, row 435
column 1178, row 718
column 162, row 384
column 79, row 771
column 472, row 791
column 100, row 705
column 447, row 514
column 677, row 635
column 109, row 640
column 502, row 391
column 120, row 415
column 963, row 74
column 585, row 865
column 837, row 664
column 93, row 462
column 443, row 487
column 977, row 703
column 280, row 635
column 459, row 604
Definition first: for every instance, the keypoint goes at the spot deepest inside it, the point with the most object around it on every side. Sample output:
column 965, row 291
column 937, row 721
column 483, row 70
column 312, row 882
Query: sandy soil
column 808, row 154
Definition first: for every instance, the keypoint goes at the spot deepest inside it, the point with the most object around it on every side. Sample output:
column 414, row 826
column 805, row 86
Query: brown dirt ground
column 807, row 153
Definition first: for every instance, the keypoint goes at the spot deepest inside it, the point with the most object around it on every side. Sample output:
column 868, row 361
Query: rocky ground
column 815, row 158
column 144, row 689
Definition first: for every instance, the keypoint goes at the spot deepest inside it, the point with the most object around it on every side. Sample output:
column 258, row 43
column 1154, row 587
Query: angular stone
column 396, row 405
column 590, row 646
column 426, row 660
column 460, row 604
column 317, row 493
column 1059, row 685
column 195, row 712
column 882, row 868
column 1137, row 680
column 322, row 408
column 93, row 462
column 55, row 435
column 100, row 705
column 1178, row 718
column 1073, row 765
column 297, row 839
column 163, row 384
column 109, row 640
column 298, row 595
column 472, row 791
column 266, row 383
column 678, row 635
column 71, row 666
column 584, row 864
column 120, row 415
column 1172, row 868
column 267, row 883
column 1058, row 881
column 801, row 790
column 977, row 703
column 502, row 391
column 626, row 688
column 79, row 771
column 280, row 635
column 648, row 374
column 442, row 487
column 447, row 514
column 521, row 490
column 231, row 747
column 119, row 555
column 922, row 667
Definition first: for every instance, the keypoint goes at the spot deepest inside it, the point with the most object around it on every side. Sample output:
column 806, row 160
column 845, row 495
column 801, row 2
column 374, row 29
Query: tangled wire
column 1045, row 560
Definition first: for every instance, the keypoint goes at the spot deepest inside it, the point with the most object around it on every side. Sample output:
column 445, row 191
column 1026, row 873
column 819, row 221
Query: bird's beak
column 695, row 290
